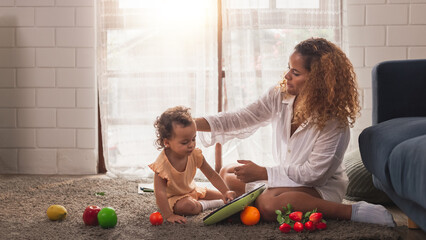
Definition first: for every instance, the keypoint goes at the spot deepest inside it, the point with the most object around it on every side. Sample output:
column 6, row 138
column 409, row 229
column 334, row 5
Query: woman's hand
column 176, row 219
column 250, row 172
column 229, row 196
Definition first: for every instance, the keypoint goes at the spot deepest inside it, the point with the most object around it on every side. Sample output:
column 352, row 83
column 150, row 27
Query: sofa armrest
column 399, row 89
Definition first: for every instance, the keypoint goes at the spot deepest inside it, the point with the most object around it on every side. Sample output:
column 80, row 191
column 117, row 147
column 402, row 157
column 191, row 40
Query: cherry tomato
column 296, row 216
column 156, row 218
column 285, row 228
column 315, row 217
column 298, row 226
column 309, row 225
column 321, row 225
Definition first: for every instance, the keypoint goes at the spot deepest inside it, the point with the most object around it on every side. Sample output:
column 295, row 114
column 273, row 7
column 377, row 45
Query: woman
column 311, row 112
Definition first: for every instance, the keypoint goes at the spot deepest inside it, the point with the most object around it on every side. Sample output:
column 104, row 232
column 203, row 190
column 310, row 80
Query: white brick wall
column 381, row 30
column 48, row 88
column 48, row 110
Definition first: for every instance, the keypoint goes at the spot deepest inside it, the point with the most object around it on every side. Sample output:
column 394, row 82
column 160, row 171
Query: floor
column 401, row 220
column 399, row 217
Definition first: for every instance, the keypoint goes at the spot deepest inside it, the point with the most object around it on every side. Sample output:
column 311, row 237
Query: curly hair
column 330, row 91
column 164, row 123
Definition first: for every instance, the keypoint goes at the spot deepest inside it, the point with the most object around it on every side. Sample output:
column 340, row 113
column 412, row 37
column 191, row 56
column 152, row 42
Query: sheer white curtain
column 152, row 55
column 162, row 53
column 259, row 37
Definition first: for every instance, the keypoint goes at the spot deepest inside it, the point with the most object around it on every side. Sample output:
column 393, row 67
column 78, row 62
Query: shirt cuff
column 278, row 177
column 207, row 138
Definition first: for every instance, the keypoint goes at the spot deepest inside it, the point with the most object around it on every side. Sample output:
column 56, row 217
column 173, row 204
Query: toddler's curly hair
column 330, row 92
column 164, row 123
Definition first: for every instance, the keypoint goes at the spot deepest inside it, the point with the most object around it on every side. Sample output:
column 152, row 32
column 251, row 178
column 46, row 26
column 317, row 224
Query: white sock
column 210, row 204
column 371, row 213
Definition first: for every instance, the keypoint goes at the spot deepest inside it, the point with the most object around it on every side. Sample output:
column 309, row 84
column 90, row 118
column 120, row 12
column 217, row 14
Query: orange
column 250, row 215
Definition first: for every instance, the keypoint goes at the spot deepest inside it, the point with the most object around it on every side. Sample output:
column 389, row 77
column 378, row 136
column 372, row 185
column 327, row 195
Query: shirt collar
column 288, row 98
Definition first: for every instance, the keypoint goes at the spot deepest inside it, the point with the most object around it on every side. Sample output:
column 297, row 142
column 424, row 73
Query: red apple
column 90, row 215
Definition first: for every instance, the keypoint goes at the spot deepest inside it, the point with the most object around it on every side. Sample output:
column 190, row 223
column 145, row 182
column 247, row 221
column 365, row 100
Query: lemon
column 56, row 212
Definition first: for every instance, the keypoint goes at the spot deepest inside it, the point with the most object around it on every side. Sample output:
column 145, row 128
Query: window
column 153, row 55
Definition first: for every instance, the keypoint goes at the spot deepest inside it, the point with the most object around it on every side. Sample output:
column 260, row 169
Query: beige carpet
column 24, row 200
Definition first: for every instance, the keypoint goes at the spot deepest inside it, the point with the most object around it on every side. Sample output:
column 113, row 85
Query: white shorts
column 327, row 192
column 250, row 186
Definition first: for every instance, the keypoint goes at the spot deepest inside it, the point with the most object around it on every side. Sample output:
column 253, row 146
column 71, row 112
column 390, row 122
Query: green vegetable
column 283, row 217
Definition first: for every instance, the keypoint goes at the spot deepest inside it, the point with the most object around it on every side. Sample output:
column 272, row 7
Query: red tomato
column 315, row 217
column 309, row 225
column 90, row 215
column 296, row 216
column 321, row 225
column 156, row 218
column 285, row 228
column 298, row 226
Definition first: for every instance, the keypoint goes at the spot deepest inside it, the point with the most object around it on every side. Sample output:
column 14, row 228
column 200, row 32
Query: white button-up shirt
column 310, row 157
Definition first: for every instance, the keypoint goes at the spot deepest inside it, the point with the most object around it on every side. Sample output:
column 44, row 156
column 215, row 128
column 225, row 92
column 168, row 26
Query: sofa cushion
column 398, row 88
column 407, row 169
column 360, row 186
column 377, row 142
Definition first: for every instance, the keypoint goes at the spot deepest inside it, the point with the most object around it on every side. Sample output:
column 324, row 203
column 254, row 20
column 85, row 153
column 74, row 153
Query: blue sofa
column 394, row 148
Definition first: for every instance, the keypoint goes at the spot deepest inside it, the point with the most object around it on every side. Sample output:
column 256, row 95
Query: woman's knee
column 266, row 209
column 228, row 169
column 227, row 174
column 187, row 206
column 268, row 203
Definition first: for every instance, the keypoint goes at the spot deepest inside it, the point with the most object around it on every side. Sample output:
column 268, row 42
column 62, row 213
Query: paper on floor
column 149, row 187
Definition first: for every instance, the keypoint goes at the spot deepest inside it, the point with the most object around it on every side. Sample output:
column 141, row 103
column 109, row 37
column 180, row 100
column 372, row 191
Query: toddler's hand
column 229, row 196
column 176, row 219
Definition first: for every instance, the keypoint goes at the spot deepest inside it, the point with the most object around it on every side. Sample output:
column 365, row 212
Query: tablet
column 236, row 205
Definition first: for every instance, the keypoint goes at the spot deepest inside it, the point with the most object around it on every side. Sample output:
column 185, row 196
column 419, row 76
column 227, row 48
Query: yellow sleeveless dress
column 180, row 184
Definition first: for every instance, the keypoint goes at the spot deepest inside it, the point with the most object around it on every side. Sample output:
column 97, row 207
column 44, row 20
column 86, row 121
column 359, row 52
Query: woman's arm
column 217, row 181
column 162, row 202
column 254, row 115
column 202, row 125
column 239, row 123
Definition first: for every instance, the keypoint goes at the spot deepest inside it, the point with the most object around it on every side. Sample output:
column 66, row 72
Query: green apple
column 107, row 217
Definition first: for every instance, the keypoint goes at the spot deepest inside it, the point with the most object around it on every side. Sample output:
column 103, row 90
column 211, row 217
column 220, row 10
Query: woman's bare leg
column 307, row 199
column 301, row 199
column 227, row 174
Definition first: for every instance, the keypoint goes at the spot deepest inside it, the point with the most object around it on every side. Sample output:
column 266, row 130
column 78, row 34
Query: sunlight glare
column 171, row 12
column 182, row 12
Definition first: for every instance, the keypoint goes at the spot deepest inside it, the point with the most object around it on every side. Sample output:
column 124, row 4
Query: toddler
column 174, row 187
